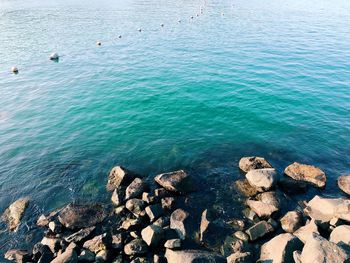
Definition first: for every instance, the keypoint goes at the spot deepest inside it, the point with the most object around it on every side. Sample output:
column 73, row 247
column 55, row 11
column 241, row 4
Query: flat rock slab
column 178, row 181
column 14, row 213
column 75, row 216
column 306, row 173
column 344, row 183
column 193, row 256
column 250, row 163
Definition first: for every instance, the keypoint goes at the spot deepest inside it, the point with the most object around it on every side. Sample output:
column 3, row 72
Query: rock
column 102, row 256
column 291, row 221
column 262, row 179
column 42, row 253
column 80, row 235
column 340, row 235
column 173, row 243
column 211, row 231
column 344, row 183
column 250, row 163
column 236, row 224
column 141, row 260
column 232, row 245
column 241, row 235
column 118, row 259
column 98, row 243
column 152, row 235
column 117, row 241
column 118, row 196
column 251, row 215
column 168, row 203
column 161, row 193
column 18, row 255
column 52, row 242
column 245, row 188
column 280, row 249
column 75, row 216
column 240, row 257
column 135, row 189
column 178, row 181
column 86, row 256
column 68, row 256
column 135, row 206
column 304, row 232
column 258, row 230
column 291, row 186
column 192, row 256
column 154, row 211
column 119, row 176
column 179, row 221
column 319, row 249
column 55, row 227
column 131, row 224
column 42, row 221
column 135, row 247
column 306, row 173
column 159, row 259
column 14, row 213
column 266, row 204
column 162, row 221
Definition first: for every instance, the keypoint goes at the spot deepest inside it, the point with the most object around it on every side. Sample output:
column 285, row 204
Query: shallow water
column 265, row 78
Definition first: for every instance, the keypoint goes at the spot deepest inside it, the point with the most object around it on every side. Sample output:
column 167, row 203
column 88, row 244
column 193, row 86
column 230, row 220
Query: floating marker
column 14, row 70
column 54, row 56
column 99, row 43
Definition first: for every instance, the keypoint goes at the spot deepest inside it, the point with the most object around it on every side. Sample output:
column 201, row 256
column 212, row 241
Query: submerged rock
column 119, row 176
column 291, row 221
column 262, row 179
column 306, row 173
column 178, row 181
column 250, row 163
column 259, row 230
column 192, row 256
column 245, row 188
column 75, row 216
column 14, row 213
column 344, row 183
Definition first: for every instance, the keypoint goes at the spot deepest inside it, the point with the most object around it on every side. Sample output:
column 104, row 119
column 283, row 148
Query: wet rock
column 341, row 235
column 18, row 255
column 259, row 230
column 232, row 245
column 135, row 247
column 280, row 248
column 135, row 206
column 117, row 241
column 152, row 235
column 262, row 179
column 86, row 256
column 154, row 211
column 241, row 235
column 251, row 215
column 304, row 232
column 319, row 249
column 178, row 181
column 291, row 186
column 52, row 242
column 168, row 203
column 245, row 188
column 13, row 214
column 98, row 243
column 68, row 256
column 173, row 243
column 42, row 221
column 192, row 256
column 266, row 204
column 162, row 192
column 236, row 224
column 250, row 163
column 240, row 257
column 118, row 196
column 212, row 231
column 80, row 235
column 306, row 173
column 135, row 189
column 119, row 176
column 179, row 222
column 344, row 183
column 162, row 221
column 291, row 221
column 75, row 216
column 42, row 253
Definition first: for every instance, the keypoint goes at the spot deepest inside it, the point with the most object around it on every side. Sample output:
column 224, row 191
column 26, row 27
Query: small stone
column 168, row 203
column 135, row 206
column 135, row 189
column 119, row 210
column 304, row 232
column 259, row 230
column 306, row 173
column 241, row 235
column 173, row 243
column 86, row 256
column 240, row 257
column 119, row 176
column 14, row 213
column 152, row 235
column 250, row 163
column 154, row 211
column 42, row 221
column 80, row 235
column 135, row 247
column 291, row 221
column 147, row 197
column 340, row 235
column 118, row 196
column 245, row 188
column 178, row 221
column 178, row 181
column 18, row 255
column 237, row 224
column 262, row 179
column 344, row 183
column 102, row 256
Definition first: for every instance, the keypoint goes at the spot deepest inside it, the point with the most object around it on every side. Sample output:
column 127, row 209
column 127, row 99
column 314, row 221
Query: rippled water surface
column 254, row 77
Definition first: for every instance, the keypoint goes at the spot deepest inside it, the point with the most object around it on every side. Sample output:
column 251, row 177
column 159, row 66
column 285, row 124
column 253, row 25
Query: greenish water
column 266, row 78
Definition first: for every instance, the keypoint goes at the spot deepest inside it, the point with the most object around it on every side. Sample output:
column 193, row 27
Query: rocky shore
column 149, row 222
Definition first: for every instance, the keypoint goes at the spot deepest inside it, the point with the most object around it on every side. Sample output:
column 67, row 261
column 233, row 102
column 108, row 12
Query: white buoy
column 14, row 70
column 54, row 56
column 139, row 29
column 98, row 43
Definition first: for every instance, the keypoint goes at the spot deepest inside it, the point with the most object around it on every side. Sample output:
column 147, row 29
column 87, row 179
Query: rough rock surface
column 98, row 243
column 262, row 179
column 135, row 247
column 291, row 221
column 68, row 256
column 280, row 249
column 307, row 173
column 178, row 181
column 212, row 231
column 249, row 163
column 17, row 255
column 118, row 196
column 152, row 235
column 173, row 243
column 178, row 222
column 340, row 235
column 80, row 216
column 13, row 214
column 266, row 204
column 135, row 189
column 344, row 183
column 258, row 230
column 192, row 256
column 245, row 188
column 119, row 176
column 80, row 235
column 135, row 206
column 240, row 257
column 304, row 232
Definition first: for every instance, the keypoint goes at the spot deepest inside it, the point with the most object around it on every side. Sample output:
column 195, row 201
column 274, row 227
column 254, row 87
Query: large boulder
column 152, row 235
column 192, row 256
column 291, row 221
column 119, row 176
column 340, row 235
column 250, row 163
column 179, row 221
column 75, row 216
column 306, row 173
column 262, row 179
column 266, row 204
column 304, row 232
column 135, row 189
column 259, row 230
column 344, row 183
column 280, row 249
column 14, row 213
column 178, row 181
column 319, row 249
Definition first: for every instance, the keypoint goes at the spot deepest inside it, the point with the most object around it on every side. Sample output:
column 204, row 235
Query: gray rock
column 319, row 249
column 240, row 257
column 178, row 181
column 86, row 256
column 291, row 221
column 152, row 235
column 306, row 173
column 75, row 216
column 280, row 249
column 262, row 179
column 173, row 243
column 250, row 163
column 135, row 206
column 118, row 196
column 266, row 204
column 154, row 211
column 344, row 183
column 18, row 255
column 80, row 235
column 135, row 247
column 135, row 189
column 341, row 235
column 179, row 222
column 192, row 256
column 14, row 213
column 259, row 230
column 119, row 176
column 304, row 232
column 245, row 188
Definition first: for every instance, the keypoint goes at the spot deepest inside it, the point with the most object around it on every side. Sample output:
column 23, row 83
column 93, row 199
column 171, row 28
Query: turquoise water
column 268, row 78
